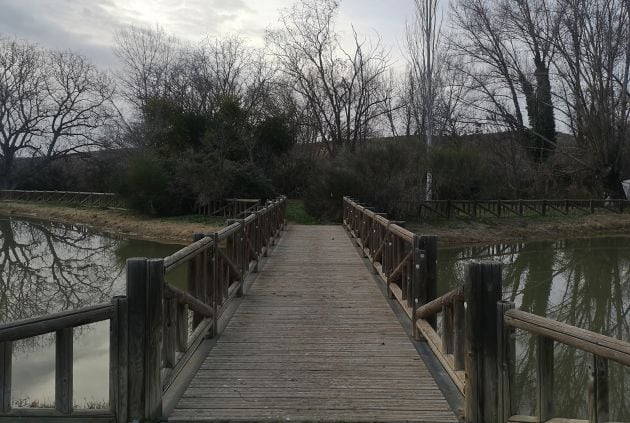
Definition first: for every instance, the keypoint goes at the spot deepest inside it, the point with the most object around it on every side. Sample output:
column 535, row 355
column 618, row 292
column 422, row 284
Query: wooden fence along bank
column 84, row 199
column 150, row 342
column 449, row 209
column 476, row 343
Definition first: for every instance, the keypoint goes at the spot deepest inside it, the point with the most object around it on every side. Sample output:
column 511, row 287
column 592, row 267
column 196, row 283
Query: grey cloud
column 30, row 21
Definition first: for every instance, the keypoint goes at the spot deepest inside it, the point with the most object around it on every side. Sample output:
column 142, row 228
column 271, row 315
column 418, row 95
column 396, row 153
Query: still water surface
column 582, row 282
column 48, row 267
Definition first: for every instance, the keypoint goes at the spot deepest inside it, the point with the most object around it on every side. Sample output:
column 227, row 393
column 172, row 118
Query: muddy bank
column 120, row 222
column 488, row 231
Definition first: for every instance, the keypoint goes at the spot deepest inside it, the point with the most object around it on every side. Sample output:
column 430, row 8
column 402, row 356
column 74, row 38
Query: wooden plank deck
column 313, row 340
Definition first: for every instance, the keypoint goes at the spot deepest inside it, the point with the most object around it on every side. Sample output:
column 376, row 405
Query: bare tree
column 508, row 47
column 423, row 39
column 51, row 104
column 594, row 73
column 342, row 87
column 79, row 100
column 22, row 93
column 147, row 56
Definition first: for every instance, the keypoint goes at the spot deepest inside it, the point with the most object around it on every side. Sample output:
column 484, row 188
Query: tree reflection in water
column 582, row 282
column 50, row 267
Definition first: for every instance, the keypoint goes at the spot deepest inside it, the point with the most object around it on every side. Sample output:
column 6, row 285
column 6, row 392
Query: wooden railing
column 156, row 328
column 230, row 208
column 86, row 199
column 447, row 209
column 475, row 341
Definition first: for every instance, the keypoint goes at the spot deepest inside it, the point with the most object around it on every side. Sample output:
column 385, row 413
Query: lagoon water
column 47, row 267
column 582, row 282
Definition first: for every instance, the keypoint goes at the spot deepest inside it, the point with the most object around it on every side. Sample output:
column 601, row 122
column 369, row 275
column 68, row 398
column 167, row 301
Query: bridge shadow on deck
column 313, row 340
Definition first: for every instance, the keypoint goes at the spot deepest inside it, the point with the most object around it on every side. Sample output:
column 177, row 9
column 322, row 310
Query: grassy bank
column 451, row 232
column 121, row 222
column 494, row 230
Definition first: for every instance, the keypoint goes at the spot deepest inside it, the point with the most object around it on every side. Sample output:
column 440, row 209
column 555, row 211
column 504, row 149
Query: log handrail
column 40, row 325
column 186, row 253
column 187, row 299
column 435, row 306
column 582, row 339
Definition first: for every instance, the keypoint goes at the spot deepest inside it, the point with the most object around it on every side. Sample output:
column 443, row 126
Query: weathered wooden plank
column 63, row 370
column 314, row 339
column 544, row 378
column 595, row 343
column 459, row 325
column 40, row 325
column 182, row 327
column 506, row 362
column 598, row 401
column 429, row 244
column 153, row 343
column 169, row 346
column 136, row 317
column 482, row 290
column 118, row 353
column 192, row 302
column 435, row 306
column 6, row 358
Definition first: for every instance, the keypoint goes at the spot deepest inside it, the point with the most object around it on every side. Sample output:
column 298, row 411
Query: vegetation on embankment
column 451, row 232
column 120, row 222
column 296, row 213
column 457, row 232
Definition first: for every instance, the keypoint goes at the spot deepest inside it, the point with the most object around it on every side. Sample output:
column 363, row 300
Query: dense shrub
column 143, row 183
column 382, row 175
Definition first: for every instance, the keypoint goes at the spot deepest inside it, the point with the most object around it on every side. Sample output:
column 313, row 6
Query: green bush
column 382, row 175
column 143, row 183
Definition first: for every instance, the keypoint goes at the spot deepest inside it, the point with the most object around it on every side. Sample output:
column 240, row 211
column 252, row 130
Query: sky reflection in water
column 48, row 267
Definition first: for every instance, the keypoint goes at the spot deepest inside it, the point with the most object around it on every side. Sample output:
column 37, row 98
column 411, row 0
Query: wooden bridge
column 308, row 323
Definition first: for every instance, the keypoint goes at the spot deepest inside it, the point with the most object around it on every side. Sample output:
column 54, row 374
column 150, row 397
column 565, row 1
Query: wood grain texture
column 313, row 340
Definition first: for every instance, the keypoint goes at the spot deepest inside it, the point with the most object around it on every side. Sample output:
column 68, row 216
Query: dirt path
column 461, row 232
column 121, row 222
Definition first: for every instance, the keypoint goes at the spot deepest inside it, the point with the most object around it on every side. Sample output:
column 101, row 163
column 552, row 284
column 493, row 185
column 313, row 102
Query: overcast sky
column 87, row 26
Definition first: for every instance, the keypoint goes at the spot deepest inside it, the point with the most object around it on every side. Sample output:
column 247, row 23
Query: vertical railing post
column 447, row 328
column 544, row 378
column 429, row 244
column 196, row 278
column 459, row 334
column 118, row 356
column 6, row 357
column 506, row 359
column 482, row 291
column 63, row 370
column 145, row 290
column 137, row 309
column 240, row 256
column 215, row 283
column 169, row 346
column 598, row 402
column 418, row 280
